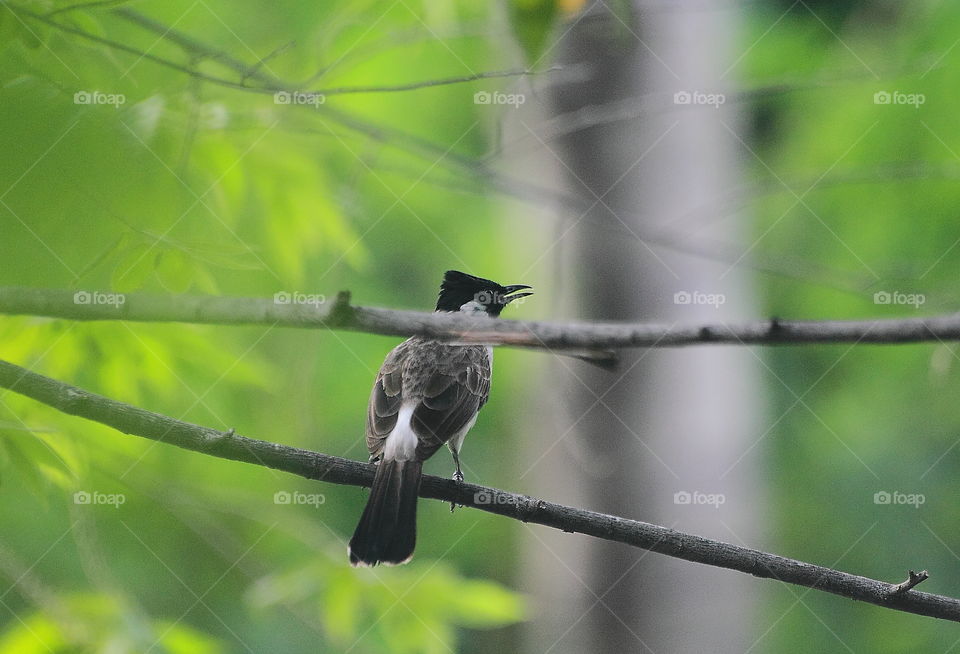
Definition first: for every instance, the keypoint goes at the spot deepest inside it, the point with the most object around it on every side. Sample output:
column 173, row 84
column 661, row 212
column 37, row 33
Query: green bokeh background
column 189, row 186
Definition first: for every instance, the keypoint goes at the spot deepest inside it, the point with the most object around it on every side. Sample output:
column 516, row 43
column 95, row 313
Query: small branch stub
column 341, row 312
column 913, row 579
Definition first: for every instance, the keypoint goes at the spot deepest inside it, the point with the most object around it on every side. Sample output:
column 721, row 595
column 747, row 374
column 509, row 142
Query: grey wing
column 454, row 392
column 385, row 400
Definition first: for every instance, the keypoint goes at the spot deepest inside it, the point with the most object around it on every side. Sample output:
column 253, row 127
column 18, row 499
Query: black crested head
column 462, row 292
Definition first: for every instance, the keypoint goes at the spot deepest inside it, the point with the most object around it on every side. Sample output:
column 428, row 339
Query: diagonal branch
column 592, row 340
column 323, row 467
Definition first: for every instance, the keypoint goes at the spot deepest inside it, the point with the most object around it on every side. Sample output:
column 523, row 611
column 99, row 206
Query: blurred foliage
column 867, row 189
column 122, row 174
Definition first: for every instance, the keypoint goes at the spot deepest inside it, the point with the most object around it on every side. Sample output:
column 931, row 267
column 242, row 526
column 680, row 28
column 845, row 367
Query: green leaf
column 174, row 271
column 341, row 605
column 37, row 460
column 532, row 22
column 479, row 603
column 87, row 22
column 136, row 264
column 181, row 639
column 36, row 634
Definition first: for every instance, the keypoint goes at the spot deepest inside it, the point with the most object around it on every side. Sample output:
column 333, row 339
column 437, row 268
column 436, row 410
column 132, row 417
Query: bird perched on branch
column 427, row 393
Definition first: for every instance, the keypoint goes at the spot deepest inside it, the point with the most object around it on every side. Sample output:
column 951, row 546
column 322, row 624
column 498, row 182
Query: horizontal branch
column 323, row 467
column 592, row 340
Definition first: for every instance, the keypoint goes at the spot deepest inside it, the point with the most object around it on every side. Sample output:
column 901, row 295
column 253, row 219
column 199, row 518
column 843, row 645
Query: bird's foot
column 457, row 477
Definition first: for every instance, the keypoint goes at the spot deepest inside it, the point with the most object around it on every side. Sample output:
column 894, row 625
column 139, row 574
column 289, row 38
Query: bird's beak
column 511, row 292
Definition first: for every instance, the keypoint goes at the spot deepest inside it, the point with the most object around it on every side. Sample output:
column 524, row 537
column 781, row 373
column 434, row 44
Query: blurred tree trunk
column 669, row 421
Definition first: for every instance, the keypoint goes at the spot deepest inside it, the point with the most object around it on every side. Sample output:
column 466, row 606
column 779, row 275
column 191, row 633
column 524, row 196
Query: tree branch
column 191, row 45
column 323, row 467
column 592, row 340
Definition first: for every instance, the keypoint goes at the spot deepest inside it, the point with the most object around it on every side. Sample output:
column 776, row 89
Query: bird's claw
column 457, row 477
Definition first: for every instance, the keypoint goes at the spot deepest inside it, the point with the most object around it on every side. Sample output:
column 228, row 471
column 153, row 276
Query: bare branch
column 323, row 467
column 585, row 339
column 252, row 72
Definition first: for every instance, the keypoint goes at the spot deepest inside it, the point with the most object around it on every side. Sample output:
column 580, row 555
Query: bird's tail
column 387, row 531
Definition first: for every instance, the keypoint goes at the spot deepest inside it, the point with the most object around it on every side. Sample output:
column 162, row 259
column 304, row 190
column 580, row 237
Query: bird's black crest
column 458, row 288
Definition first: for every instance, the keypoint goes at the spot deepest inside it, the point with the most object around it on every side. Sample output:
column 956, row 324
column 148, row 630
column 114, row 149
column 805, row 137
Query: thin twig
column 518, row 189
column 323, row 467
column 253, row 72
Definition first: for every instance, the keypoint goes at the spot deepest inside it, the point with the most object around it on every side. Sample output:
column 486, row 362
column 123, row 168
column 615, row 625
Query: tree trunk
column 669, row 425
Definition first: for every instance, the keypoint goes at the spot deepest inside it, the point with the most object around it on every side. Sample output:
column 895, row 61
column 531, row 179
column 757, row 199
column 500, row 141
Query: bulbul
column 427, row 393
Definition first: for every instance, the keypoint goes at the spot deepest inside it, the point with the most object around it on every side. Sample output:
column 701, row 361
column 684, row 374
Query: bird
column 427, row 394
